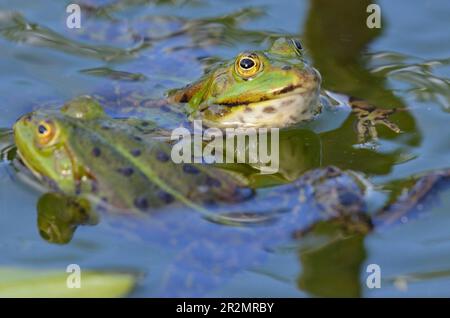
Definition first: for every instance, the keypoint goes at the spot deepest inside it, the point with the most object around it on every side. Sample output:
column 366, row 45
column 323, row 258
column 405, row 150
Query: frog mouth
column 291, row 89
column 20, row 159
column 295, row 106
column 27, row 173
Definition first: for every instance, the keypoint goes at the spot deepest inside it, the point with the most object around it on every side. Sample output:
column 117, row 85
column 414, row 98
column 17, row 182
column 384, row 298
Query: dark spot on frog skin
column 82, row 211
column 212, row 182
column 162, row 156
column 141, row 203
column 286, row 68
column 322, row 207
column 241, row 194
column 78, row 188
column 50, row 182
column 94, row 187
column 248, row 110
column 144, row 124
column 126, row 171
column 269, row 109
column 96, row 152
column 165, row 197
column 348, row 198
column 136, row 152
column 137, row 138
column 187, row 168
column 332, row 171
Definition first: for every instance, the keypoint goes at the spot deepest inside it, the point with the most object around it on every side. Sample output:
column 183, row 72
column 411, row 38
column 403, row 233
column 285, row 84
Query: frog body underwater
column 80, row 151
column 93, row 164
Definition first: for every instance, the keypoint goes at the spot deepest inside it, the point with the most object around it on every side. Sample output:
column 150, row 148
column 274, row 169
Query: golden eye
column 247, row 65
column 45, row 132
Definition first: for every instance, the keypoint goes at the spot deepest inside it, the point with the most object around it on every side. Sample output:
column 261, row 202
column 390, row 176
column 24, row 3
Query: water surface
column 159, row 45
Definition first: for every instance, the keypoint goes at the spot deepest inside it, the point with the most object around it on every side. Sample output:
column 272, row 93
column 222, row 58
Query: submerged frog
column 96, row 164
column 273, row 88
column 78, row 150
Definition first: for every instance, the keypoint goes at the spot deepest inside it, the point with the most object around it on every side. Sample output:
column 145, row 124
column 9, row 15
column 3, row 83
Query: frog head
column 43, row 137
column 273, row 88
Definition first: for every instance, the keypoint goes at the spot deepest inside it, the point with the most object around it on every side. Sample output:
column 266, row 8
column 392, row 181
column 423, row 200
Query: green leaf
column 34, row 283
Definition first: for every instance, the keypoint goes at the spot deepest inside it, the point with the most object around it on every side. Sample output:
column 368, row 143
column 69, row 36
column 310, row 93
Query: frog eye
column 247, row 65
column 45, row 132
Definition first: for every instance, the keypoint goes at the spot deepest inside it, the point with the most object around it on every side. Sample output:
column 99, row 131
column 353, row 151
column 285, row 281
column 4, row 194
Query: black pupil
column 42, row 129
column 246, row 63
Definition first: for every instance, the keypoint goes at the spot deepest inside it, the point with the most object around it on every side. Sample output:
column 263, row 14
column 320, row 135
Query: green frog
column 80, row 151
column 272, row 88
column 275, row 88
column 95, row 165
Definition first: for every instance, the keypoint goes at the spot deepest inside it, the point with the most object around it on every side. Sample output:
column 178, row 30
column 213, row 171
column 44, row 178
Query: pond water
column 160, row 45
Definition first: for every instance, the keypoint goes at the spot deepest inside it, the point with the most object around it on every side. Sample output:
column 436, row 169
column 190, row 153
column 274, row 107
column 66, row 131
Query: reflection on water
column 134, row 46
column 417, row 76
column 209, row 254
column 342, row 279
column 59, row 217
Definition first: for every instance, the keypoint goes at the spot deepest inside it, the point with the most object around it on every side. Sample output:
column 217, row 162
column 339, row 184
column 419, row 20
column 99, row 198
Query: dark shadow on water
column 333, row 268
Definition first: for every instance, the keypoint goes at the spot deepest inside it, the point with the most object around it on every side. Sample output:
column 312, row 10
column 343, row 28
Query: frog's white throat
column 295, row 107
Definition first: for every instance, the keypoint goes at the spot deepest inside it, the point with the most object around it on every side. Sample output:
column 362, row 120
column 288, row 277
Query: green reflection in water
column 60, row 215
column 333, row 270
